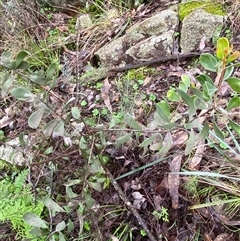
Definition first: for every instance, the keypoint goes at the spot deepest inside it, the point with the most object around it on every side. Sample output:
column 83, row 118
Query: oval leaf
column 6, row 85
column 209, row 62
column 228, row 72
column 234, row 83
column 60, row 226
column 53, row 206
column 59, row 129
column 75, row 112
column 34, row 220
column 35, row 118
column 173, row 96
column 222, row 48
column 233, row 103
column 22, row 94
column 48, row 129
column 132, row 123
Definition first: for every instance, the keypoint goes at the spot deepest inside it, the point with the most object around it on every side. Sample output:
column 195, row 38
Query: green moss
column 15, row 200
column 213, row 7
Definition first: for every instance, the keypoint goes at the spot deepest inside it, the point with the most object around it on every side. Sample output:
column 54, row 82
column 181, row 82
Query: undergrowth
column 63, row 134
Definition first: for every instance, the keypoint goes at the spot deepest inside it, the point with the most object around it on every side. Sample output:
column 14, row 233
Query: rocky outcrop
column 143, row 41
column 155, row 37
column 197, row 25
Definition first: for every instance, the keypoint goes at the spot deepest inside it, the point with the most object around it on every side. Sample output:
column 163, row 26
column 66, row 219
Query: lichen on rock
column 187, row 7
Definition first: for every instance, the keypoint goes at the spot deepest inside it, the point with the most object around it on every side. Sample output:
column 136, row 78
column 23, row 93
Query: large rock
column 143, row 41
column 197, row 25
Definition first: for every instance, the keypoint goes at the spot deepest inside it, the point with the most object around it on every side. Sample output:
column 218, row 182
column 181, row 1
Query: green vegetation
column 16, row 200
column 213, row 7
column 107, row 151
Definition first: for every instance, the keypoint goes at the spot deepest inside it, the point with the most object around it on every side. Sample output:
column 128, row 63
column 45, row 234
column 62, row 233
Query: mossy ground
column 213, row 7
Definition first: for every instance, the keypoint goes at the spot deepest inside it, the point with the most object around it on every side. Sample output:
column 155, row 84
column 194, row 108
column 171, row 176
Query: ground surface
column 150, row 189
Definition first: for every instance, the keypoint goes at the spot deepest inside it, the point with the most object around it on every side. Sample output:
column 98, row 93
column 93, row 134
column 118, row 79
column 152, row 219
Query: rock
column 152, row 47
column 196, row 25
column 12, row 152
column 143, row 41
column 83, row 21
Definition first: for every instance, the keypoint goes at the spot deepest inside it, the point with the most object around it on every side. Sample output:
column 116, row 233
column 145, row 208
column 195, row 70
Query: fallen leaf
column 139, row 199
column 104, row 94
column 194, row 162
column 173, row 180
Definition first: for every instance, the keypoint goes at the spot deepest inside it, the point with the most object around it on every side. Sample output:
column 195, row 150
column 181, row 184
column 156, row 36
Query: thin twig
column 130, row 206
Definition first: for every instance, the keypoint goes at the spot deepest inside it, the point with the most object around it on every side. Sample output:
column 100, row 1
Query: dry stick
column 131, row 207
column 156, row 61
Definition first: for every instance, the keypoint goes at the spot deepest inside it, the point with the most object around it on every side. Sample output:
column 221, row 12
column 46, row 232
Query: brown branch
column 130, row 206
column 156, row 61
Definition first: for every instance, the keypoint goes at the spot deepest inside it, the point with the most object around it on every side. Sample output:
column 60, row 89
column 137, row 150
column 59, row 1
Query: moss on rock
column 213, row 7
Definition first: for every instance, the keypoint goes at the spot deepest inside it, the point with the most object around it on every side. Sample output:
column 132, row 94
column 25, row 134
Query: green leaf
column 234, row 83
column 233, row 103
column 59, row 129
column 184, row 83
column 235, row 126
column 52, row 205
column 49, row 127
column 173, row 96
column 23, row 65
column 165, row 107
column 190, row 143
column 163, row 111
column 61, row 237
column 203, row 133
column 89, row 200
column 6, row 56
column 35, row 118
column 132, row 123
column 217, row 131
column 166, row 146
column 33, row 220
column 145, row 144
column 228, row 72
column 20, row 57
column 10, row 65
column 96, row 186
column 200, row 104
column 6, row 84
column 188, row 101
column 51, row 72
column 60, row 226
column 202, row 78
column 38, row 78
column 75, row 113
column 201, row 95
column 123, row 139
column 209, row 89
column 209, row 62
column 37, row 232
column 22, row 94
column 222, row 47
